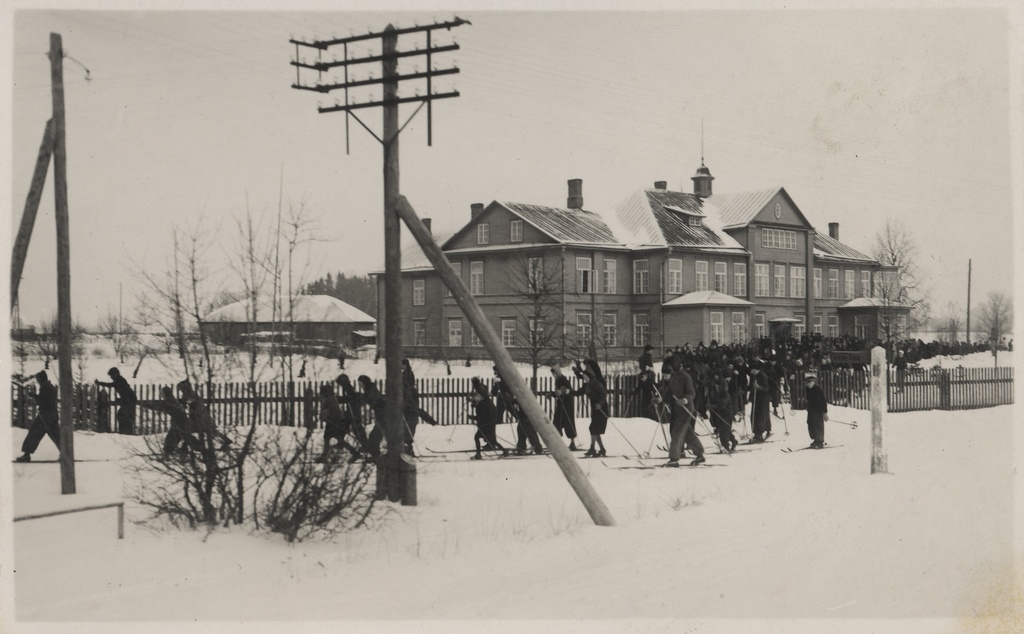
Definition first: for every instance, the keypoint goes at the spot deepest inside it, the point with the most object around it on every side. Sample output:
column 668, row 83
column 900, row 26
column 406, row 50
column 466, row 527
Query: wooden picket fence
column 296, row 404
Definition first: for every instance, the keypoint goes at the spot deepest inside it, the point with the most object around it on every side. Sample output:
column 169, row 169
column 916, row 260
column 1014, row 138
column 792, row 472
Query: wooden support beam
column 599, row 513
column 28, row 216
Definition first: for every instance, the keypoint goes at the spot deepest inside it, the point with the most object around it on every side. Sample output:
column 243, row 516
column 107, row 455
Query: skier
column 486, row 418
column 180, row 431
column 505, row 401
column 648, row 395
column 760, row 418
column 372, row 397
column 817, row 412
column 721, row 411
column 126, row 401
column 680, row 396
column 337, row 423
column 200, row 421
column 46, row 421
column 564, row 419
column 349, row 398
column 597, row 394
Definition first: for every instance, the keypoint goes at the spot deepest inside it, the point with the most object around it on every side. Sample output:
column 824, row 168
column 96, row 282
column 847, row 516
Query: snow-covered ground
column 764, row 541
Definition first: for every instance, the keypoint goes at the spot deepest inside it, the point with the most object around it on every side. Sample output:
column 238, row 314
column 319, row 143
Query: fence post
column 879, row 392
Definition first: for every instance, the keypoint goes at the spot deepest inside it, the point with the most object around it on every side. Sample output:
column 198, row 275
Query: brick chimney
column 575, row 200
column 475, row 209
column 833, row 230
column 660, row 184
column 426, row 223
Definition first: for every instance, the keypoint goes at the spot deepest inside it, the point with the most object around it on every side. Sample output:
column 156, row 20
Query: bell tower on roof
column 702, row 181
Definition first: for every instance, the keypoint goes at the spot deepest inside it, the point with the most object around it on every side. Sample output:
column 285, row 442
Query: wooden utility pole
column 879, row 396
column 60, row 191
column 28, row 216
column 968, row 301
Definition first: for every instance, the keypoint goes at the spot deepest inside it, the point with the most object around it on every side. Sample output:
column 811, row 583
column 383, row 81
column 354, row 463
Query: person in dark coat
column 180, row 432
column 817, row 412
column 680, row 395
column 760, row 417
column 776, row 375
column 372, row 397
column 349, row 401
column 721, row 411
column 126, row 401
column 200, row 421
column 337, row 423
column 564, row 419
column 597, row 395
column 646, row 361
column 46, row 422
column 648, row 392
column 486, row 418
column 505, row 401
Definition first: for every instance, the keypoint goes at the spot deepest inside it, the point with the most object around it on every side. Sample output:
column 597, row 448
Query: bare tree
column 995, row 316
column 899, row 286
column 538, row 290
column 950, row 323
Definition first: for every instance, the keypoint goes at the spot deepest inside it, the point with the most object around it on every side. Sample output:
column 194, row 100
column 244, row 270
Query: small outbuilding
column 315, row 319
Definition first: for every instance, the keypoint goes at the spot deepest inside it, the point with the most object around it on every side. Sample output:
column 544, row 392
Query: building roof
column 568, row 226
column 739, row 208
column 308, row 309
column 662, row 217
column 871, row 302
column 707, row 298
column 828, row 247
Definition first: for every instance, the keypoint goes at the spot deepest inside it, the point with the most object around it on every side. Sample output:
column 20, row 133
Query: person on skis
column 817, row 411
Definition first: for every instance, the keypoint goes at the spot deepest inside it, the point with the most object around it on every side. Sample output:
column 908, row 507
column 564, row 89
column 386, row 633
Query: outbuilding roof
column 308, row 309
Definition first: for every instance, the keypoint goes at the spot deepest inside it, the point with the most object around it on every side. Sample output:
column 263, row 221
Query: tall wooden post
column 28, row 216
column 394, row 421
column 60, row 191
column 879, row 391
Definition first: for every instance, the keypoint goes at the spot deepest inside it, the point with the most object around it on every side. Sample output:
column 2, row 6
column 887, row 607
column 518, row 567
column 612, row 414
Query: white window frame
column 641, row 276
column 474, row 339
column 455, row 332
column 762, row 280
column 675, row 276
column 817, row 323
column 717, row 326
column 722, row 278
column 609, row 276
column 797, row 281
column 833, row 325
column 739, row 279
column 779, row 280
column 817, row 283
column 584, row 328
column 584, row 275
column 833, row 283
column 865, row 283
column 515, row 231
column 476, row 277
column 739, row 327
column 695, row 221
column 760, row 325
column 799, row 328
column 419, row 332
column 508, row 332
column 778, row 239
column 641, row 329
column 700, row 275
column 860, row 326
column 536, row 331
column 483, row 233
column 419, row 292
column 609, row 329
column 849, row 284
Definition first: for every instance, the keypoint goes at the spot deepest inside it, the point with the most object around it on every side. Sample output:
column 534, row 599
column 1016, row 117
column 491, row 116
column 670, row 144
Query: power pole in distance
column 396, row 473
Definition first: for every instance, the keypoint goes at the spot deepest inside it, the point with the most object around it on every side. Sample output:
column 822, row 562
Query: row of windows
column 515, row 232
column 512, row 338
column 778, row 239
column 770, row 281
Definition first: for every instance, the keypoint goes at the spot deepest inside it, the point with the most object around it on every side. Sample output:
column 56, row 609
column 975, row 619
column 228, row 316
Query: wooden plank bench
column 120, row 514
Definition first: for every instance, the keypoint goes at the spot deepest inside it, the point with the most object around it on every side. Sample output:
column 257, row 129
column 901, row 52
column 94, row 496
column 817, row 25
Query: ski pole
column 853, row 424
column 785, row 422
column 638, row 455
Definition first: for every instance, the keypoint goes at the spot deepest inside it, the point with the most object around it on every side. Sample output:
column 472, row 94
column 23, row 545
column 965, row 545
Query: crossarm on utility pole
column 28, row 216
column 527, row 400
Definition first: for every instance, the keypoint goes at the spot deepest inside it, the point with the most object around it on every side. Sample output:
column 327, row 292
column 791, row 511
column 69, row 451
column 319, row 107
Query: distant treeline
column 357, row 290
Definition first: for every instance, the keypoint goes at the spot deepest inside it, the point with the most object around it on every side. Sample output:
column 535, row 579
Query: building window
column 641, row 277
column 721, row 278
column 901, row 325
column 584, row 329
column 419, row 292
column 761, row 288
column 833, row 325
column 701, row 282
column 695, row 221
column 419, row 332
column 515, row 231
column 474, row 339
column 860, row 326
column 610, row 329
column 508, row 333
column 675, row 277
column 865, row 283
column 739, row 279
column 641, row 329
column 800, row 327
column 584, row 275
column 609, row 276
column 476, row 278
column 780, row 280
column 797, row 281
column 535, row 274
column 848, row 286
column 536, row 329
column 717, row 327
column 739, row 327
column 817, row 283
column 817, row 323
column 455, row 333
column 483, row 233
column 760, row 329
column 778, row 239
column 833, row 283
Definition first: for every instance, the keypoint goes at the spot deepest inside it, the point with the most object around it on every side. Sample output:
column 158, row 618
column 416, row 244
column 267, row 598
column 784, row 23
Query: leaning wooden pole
column 60, row 191
column 28, row 216
column 506, row 367
column 879, row 394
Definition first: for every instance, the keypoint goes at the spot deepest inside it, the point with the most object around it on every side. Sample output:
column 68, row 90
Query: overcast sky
column 861, row 115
